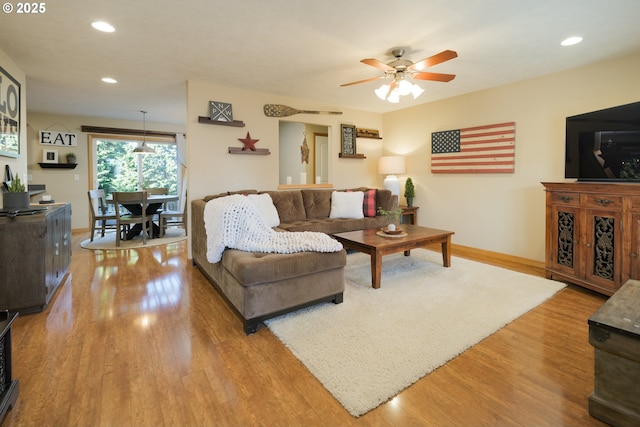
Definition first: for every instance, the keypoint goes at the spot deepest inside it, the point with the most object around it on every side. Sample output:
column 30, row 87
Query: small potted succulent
column 409, row 191
column 71, row 158
column 16, row 197
column 393, row 217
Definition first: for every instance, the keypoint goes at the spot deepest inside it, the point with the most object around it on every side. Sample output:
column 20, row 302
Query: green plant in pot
column 409, row 192
column 393, row 217
column 71, row 158
column 17, row 196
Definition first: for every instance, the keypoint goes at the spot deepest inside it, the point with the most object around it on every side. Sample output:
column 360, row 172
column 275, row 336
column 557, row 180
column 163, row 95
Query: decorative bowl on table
column 385, row 230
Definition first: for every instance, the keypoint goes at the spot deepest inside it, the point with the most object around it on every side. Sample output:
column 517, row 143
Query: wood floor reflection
column 140, row 338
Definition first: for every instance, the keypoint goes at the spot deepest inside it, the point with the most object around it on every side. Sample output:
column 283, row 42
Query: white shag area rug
column 380, row 341
column 172, row 235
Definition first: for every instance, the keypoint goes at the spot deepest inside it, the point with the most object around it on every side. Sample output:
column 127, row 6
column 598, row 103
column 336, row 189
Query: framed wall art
column 49, row 156
column 220, row 111
column 9, row 115
column 348, row 139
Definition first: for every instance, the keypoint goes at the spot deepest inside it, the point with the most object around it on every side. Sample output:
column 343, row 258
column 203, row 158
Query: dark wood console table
column 35, row 251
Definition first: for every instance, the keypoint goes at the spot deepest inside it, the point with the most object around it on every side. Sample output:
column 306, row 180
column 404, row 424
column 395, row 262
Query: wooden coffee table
column 369, row 242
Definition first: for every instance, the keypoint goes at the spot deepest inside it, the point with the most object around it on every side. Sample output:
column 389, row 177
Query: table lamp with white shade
column 390, row 166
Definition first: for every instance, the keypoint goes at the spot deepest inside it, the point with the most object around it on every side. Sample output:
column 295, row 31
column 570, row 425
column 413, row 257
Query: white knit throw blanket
column 236, row 222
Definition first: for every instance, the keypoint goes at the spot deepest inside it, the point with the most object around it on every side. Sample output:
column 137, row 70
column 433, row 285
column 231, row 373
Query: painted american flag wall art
column 480, row 149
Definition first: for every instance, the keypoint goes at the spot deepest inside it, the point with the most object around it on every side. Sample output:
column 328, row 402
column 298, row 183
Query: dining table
column 154, row 202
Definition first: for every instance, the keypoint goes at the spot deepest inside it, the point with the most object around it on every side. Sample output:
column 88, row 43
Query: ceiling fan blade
column 443, row 56
column 434, row 76
column 377, row 64
column 363, row 81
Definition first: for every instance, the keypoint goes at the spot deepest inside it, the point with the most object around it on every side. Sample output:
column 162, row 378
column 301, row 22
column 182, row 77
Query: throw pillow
column 266, row 206
column 369, row 203
column 346, row 204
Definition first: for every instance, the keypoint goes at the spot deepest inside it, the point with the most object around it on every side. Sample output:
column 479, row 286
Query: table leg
column 446, row 252
column 407, row 253
column 152, row 227
column 376, row 269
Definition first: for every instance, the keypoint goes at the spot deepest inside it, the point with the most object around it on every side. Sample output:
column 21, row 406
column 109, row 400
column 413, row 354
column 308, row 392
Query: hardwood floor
column 140, row 338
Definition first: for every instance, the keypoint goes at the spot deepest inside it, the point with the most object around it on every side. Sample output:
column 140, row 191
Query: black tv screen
column 604, row 145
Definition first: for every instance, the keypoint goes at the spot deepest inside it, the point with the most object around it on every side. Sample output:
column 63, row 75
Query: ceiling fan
column 400, row 69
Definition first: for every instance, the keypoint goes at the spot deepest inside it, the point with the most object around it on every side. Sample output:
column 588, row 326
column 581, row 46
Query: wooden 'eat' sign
column 66, row 139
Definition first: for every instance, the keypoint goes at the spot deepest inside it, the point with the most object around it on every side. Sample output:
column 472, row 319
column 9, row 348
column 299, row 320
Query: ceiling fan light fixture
column 402, row 71
column 382, row 91
column 394, row 96
column 416, row 91
column 404, row 87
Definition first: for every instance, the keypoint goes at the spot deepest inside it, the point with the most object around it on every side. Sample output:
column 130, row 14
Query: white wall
column 18, row 165
column 290, row 140
column 212, row 169
column 505, row 212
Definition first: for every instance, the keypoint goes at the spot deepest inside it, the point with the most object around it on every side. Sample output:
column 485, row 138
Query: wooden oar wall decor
column 277, row 110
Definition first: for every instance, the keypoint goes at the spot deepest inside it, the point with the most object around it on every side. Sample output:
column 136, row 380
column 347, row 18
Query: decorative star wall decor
column 249, row 147
column 249, row 144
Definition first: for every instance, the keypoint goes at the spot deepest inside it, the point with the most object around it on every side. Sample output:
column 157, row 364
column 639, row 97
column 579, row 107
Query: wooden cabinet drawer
column 565, row 198
column 602, row 201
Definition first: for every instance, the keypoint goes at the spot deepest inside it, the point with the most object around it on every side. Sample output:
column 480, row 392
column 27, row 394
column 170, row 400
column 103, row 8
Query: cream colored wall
column 505, row 212
column 61, row 183
column 213, row 169
column 18, row 165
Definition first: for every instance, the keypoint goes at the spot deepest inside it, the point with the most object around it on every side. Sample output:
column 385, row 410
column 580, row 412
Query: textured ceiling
column 303, row 49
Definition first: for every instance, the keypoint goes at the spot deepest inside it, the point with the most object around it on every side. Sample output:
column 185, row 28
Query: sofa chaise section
column 263, row 285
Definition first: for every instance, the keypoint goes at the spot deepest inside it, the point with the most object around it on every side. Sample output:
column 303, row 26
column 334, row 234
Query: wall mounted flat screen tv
column 604, row 145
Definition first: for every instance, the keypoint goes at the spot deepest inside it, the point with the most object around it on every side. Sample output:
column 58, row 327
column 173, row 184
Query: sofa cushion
column 346, row 204
column 317, row 203
column 228, row 193
column 251, row 268
column 289, row 205
column 369, row 203
column 266, row 207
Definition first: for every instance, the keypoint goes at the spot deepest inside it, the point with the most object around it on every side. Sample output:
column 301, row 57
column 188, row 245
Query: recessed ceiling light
column 571, row 41
column 109, row 80
column 103, row 26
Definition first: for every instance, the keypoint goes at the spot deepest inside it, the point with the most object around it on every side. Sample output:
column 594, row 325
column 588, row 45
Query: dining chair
column 100, row 213
column 170, row 217
column 158, row 191
column 125, row 218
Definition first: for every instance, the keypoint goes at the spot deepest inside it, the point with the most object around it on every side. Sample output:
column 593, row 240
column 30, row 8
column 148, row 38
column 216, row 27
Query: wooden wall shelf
column 207, row 120
column 58, row 165
column 368, row 133
column 351, row 156
column 259, row 151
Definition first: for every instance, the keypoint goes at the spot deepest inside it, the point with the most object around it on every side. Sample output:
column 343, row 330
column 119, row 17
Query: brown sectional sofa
column 264, row 285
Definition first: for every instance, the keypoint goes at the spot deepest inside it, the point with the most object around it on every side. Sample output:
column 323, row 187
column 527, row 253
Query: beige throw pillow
column 347, row 204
